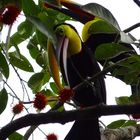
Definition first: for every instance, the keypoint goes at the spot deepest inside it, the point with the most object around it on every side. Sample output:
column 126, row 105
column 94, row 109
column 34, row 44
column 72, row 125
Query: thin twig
column 30, row 102
column 21, row 81
column 29, row 132
column 132, row 27
column 14, row 96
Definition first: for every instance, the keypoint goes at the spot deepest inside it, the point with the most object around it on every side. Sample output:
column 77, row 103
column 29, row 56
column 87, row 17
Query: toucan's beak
column 62, row 54
column 57, row 56
column 59, row 48
column 53, row 65
column 74, row 10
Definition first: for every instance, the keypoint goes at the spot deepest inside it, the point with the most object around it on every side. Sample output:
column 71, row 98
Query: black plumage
column 80, row 67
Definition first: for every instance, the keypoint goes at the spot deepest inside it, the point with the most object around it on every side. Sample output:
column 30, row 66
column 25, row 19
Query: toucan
column 77, row 65
column 92, row 38
column 74, row 65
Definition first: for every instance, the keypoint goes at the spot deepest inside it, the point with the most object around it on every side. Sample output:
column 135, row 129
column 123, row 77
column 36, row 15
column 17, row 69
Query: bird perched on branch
column 77, row 64
column 95, row 19
column 74, row 57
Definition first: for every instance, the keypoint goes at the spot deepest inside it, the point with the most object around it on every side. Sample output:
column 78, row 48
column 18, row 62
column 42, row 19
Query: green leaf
column 16, row 38
column 54, row 87
column 109, row 50
column 42, row 60
column 129, row 123
column 135, row 98
column 123, row 100
column 46, row 77
column 44, row 28
column 131, row 78
column 61, row 18
column 60, row 109
column 29, row 7
column 56, row 16
column 20, row 62
column 133, row 62
column 33, row 47
column 48, row 18
column 42, row 39
column 116, row 124
column 53, row 103
column 3, row 100
column 100, row 11
column 129, row 69
column 38, row 80
column 48, row 93
column 121, row 71
column 15, row 136
column 25, row 30
column 4, row 68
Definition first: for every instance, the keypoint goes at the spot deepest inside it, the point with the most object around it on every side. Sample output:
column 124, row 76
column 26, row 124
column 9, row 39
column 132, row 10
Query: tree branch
column 67, row 116
column 125, row 133
column 137, row 2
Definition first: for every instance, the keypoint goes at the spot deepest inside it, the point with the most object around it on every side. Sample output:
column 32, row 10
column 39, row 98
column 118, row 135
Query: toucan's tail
column 84, row 130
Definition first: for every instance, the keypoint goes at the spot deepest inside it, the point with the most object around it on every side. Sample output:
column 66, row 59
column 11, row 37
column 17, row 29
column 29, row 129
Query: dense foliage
column 31, row 37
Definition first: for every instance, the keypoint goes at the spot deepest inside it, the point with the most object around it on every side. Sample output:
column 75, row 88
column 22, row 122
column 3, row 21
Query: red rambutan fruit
column 9, row 14
column 18, row 108
column 52, row 136
column 136, row 116
column 40, row 101
column 65, row 94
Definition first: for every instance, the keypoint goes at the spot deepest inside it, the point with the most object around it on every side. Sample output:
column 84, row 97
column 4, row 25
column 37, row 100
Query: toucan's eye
column 60, row 31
